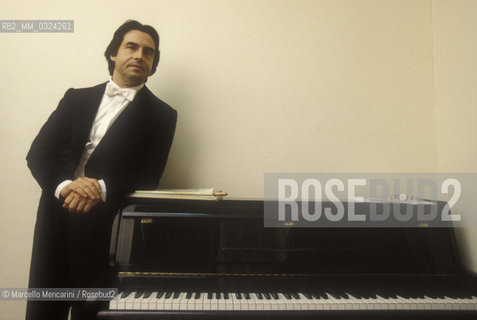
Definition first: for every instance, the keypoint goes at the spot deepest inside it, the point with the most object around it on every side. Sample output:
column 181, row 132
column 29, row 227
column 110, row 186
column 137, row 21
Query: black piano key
column 432, row 295
column 267, row 296
column 189, row 295
column 238, row 296
column 316, row 295
column 295, row 295
column 287, row 295
column 138, row 294
column 334, row 295
column 159, row 295
column 147, row 295
column 439, row 296
column 124, row 294
column 414, row 295
column 338, row 295
column 246, row 295
column 259, row 295
column 168, row 294
column 307, row 295
column 274, row 295
column 176, row 295
column 197, row 295
column 387, row 294
column 218, row 296
column 355, row 294
column 226, row 295
column 210, row 295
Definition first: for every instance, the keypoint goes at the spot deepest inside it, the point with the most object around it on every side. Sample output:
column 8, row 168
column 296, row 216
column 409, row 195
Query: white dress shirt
column 115, row 100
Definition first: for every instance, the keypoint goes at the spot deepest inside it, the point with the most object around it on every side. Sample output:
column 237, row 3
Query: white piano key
column 334, row 303
column 176, row 302
column 293, row 304
column 404, row 304
column 205, row 301
column 318, row 303
column 420, row 303
column 305, row 303
column 229, row 303
column 274, row 303
column 113, row 304
column 221, row 302
column 321, row 304
column 252, row 304
column 267, row 304
column 243, row 303
column 394, row 303
column 448, row 303
column 282, row 302
column 357, row 304
column 145, row 303
column 183, row 302
column 430, row 303
column 122, row 301
column 236, row 302
column 161, row 302
column 214, row 303
column 346, row 304
column 413, row 303
column 190, row 303
column 474, row 303
column 471, row 303
column 298, row 304
column 385, row 304
column 464, row 304
column 152, row 305
column 440, row 304
column 136, row 304
column 168, row 302
column 257, row 301
column 128, row 303
column 199, row 302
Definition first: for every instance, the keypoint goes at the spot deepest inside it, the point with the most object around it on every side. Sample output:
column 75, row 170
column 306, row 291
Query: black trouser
column 69, row 251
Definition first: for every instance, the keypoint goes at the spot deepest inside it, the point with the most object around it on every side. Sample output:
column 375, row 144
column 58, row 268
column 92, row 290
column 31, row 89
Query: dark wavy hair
column 112, row 49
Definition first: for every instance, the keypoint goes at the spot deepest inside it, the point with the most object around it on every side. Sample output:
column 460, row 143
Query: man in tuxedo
column 100, row 144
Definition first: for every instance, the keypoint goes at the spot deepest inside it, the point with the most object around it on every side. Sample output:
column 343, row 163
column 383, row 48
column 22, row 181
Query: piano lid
column 228, row 237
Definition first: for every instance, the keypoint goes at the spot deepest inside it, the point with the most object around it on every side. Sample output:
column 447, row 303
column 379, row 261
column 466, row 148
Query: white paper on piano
column 191, row 194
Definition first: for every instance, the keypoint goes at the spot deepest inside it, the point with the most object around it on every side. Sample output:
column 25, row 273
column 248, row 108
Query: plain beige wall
column 260, row 86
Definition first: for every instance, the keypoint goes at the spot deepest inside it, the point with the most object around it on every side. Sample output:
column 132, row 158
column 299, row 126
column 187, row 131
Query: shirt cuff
column 60, row 187
column 102, row 184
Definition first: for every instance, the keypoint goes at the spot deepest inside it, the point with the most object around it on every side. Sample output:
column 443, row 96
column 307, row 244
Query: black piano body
column 195, row 259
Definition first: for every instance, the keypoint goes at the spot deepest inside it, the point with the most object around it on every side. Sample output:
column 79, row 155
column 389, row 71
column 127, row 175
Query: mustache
column 136, row 64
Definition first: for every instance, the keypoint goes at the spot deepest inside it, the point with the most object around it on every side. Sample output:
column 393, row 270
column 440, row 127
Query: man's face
column 133, row 62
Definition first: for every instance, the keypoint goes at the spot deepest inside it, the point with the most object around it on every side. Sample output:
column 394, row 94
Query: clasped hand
column 81, row 195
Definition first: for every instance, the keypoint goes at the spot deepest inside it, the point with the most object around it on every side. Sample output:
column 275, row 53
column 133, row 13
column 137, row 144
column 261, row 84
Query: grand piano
column 193, row 259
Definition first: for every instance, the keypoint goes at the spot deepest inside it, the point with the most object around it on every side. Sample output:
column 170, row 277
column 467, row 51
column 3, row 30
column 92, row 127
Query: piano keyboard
column 203, row 301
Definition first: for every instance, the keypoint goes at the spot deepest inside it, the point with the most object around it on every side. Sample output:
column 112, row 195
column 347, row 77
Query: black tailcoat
column 71, row 249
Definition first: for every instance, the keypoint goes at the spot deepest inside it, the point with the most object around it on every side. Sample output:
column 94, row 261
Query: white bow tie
column 115, row 91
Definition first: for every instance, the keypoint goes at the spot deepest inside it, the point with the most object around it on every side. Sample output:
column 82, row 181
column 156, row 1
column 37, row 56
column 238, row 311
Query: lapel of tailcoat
column 84, row 116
